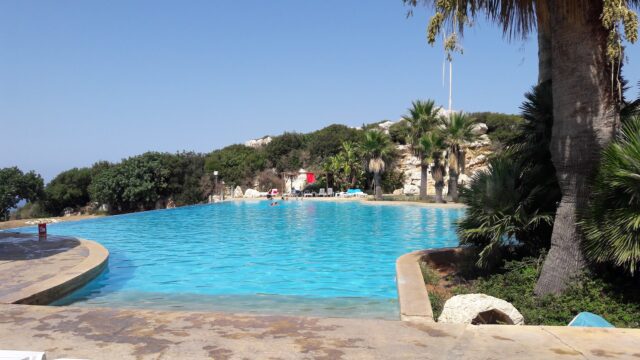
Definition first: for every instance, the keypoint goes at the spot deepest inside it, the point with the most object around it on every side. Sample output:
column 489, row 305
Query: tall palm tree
column 432, row 144
column 351, row 162
column 581, row 52
column 377, row 149
column 422, row 117
column 457, row 129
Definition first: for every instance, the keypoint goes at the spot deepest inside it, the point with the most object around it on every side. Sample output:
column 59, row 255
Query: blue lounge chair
column 587, row 319
column 355, row 192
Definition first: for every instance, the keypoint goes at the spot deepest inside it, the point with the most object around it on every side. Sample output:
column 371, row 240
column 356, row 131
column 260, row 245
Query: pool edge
column 54, row 288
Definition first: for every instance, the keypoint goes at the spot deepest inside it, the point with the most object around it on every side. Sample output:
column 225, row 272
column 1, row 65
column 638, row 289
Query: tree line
column 342, row 156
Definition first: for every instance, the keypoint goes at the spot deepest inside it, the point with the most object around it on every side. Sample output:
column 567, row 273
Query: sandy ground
column 21, row 223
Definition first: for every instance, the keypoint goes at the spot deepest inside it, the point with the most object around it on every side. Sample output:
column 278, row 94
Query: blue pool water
column 301, row 257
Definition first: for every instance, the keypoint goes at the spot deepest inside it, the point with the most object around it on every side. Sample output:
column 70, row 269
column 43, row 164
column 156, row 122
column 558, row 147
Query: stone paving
column 141, row 334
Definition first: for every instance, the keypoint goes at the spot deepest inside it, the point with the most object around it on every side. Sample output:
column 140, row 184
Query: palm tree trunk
column 544, row 41
column 453, row 173
column 453, row 184
column 462, row 161
column 585, row 116
column 424, row 172
column 377, row 178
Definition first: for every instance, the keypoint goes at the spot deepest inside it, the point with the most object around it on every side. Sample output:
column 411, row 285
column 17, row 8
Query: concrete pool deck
column 141, row 334
column 29, row 266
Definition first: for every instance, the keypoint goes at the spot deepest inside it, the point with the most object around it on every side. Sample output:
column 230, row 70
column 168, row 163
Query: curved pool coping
column 413, row 297
column 49, row 290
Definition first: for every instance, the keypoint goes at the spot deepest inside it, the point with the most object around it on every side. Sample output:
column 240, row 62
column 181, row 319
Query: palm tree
column 422, row 117
column 457, row 129
column 333, row 166
column 432, row 145
column 580, row 50
column 351, row 161
column 376, row 148
column 611, row 223
column 502, row 209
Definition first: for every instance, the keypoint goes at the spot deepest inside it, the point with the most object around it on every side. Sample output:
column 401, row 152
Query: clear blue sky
column 82, row 81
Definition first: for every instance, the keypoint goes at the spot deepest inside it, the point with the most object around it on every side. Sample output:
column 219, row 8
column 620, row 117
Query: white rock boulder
column 397, row 192
column 385, row 126
column 251, row 193
column 410, row 189
column 237, row 192
column 479, row 309
column 479, row 129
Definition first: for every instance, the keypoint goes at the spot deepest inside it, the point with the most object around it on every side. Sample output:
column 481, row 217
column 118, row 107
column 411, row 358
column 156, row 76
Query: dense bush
column 16, row 186
column 69, row 189
column 30, row 211
column 502, row 128
column 286, row 152
column 513, row 202
column 399, row 132
column 185, row 180
column 236, row 164
column 328, row 141
column 615, row 299
column 504, row 211
column 611, row 223
column 136, row 183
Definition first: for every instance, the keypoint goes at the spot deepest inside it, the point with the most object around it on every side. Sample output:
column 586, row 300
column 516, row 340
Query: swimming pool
column 301, row 257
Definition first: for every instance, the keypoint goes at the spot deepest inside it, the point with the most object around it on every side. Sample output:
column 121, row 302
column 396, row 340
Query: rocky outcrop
column 237, row 192
column 479, row 309
column 476, row 156
column 384, row 126
column 479, row 129
column 251, row 193
column 257, row 143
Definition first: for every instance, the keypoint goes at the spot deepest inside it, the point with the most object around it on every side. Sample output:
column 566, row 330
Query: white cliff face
column 384, row 127
column 476, row 157
column 257, row 143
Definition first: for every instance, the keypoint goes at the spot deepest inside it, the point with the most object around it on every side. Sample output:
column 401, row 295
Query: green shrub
column 236, row 164
column 69, row 189
column 502, row 128
column 399, row 132
column 615, row 299
column 513, row 202
column 31, row 210
column 611, row 223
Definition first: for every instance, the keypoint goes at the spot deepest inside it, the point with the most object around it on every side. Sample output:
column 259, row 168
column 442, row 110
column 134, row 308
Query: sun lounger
column 355, row 192
column 330, row 192
column 322, row 193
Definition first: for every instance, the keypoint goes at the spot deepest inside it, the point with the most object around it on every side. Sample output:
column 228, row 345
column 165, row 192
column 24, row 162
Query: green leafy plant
column 611, row 223
column 616, row 299
column 512, row 204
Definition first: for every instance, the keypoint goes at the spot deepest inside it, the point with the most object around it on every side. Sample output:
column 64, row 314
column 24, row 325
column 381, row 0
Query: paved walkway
column 135, row 334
